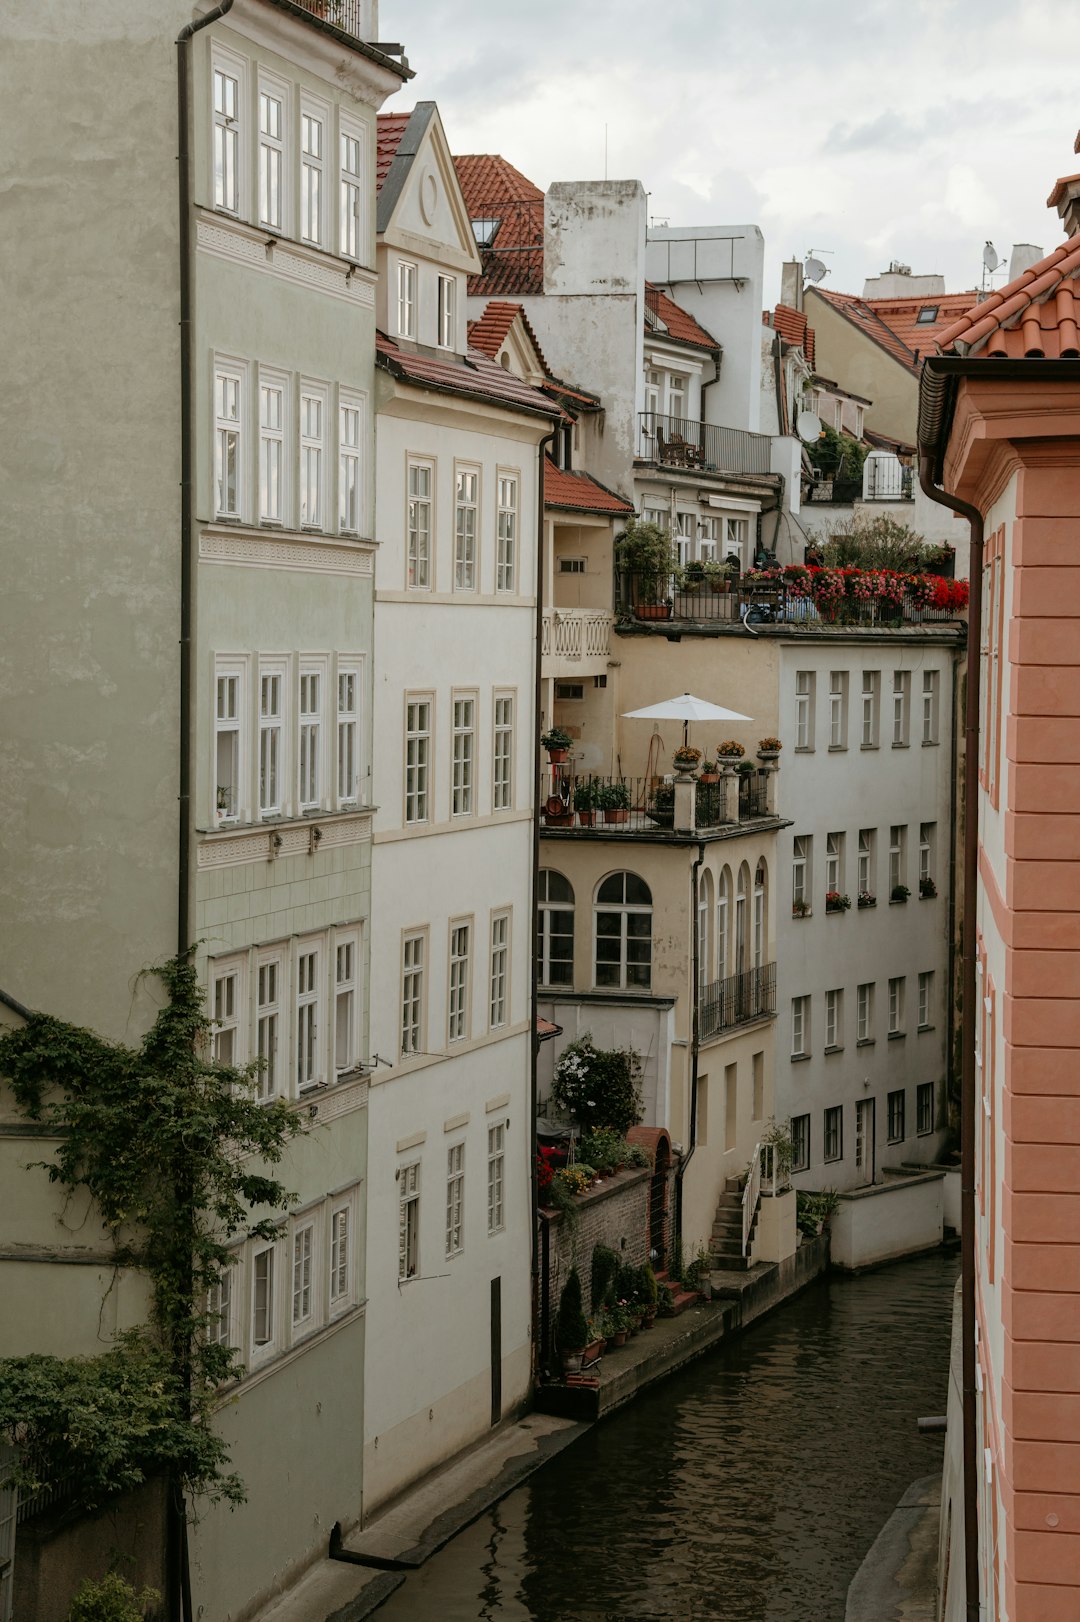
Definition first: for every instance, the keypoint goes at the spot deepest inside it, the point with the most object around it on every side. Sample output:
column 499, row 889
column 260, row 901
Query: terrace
column 701, row 447
column 663, row 601
column 654, row 808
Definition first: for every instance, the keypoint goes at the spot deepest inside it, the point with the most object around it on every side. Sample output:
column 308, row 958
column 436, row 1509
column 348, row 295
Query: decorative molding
column 328, row 1104
column 274, row 840
column 261, row 549
column 276, row 256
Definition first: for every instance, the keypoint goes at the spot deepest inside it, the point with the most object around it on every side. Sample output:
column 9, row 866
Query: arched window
column 723, row 924
column 555, row 929
column 740, row 918
column 623, row 938
column 704, row 919
column 760, row 877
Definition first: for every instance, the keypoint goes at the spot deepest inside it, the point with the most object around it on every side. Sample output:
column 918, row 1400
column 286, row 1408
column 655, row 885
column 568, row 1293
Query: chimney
column 1023, row 256
column 791, row 284
column 1065, row 197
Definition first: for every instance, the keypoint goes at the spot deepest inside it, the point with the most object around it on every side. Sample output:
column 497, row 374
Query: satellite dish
column 808, row 427
column 990, row 258
column 814, row 270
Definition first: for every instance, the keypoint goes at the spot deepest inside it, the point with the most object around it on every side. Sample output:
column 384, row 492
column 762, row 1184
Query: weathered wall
column 612, row 1213
column 55, row 1556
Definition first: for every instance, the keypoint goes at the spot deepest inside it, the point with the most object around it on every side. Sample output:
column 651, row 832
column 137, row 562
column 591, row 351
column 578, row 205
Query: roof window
column 485, row 231
column 926, row 315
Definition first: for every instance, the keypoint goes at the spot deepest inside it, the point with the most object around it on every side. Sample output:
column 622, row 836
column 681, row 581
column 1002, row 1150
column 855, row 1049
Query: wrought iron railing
column 645, row 805
column 737, row 1000
column 837, row 492
column 353, row 17
column 701, row 447
column 657, row 599
column 888, row 480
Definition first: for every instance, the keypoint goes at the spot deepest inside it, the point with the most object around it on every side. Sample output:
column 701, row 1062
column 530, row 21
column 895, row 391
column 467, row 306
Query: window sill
column 896, row 745
column 930, row 743
column 799, row 916
column 893, row 1141
column 865, row 1042
column 838, row 749
column 835, row 1047
column 276, row 825
column 868, row 746
column 799, row 1058
column 897, row 1036
column 831, row 1160
column 921, row 1028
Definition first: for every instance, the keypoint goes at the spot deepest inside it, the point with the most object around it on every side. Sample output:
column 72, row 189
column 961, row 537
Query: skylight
column 926, row 315
column 485, row 232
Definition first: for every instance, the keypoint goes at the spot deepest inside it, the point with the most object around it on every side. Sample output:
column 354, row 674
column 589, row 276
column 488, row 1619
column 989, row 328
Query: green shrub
column 605, row 1267
column 571, row 1329
column 111, row 1600
column 597, row 1086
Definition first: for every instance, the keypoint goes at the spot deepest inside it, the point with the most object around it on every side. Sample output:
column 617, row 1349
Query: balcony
column 887, row 479
column 738, row 1000
column 616, row 806
column 688, row 446
column 352, row 17
column 573, row 638
column 660, row 602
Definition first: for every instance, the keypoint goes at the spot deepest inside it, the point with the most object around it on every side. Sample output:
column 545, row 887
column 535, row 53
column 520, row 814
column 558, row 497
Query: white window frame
column 273, row 154
column 926, row 850
column 227, row 147
column 834, row 1019
column 804, row 710
column 901, row 708
column 455, row 1200
column 352, row 457
column 864, row 1024
column 499, row 980
column 352, row 144
column 419, row 524
column 418, row 756
column 800, row 1027
column 413, row 1003
column 801, row 873
column 926, row 995
column 866, row 860
column 459, row 980
column 228, row 1005
column 508, row 492
column 496, row 1177
column 271, row 1024
column 309, row 1038
column 546, row 908
column 274, row 459
column 267, row 1316
column 230, row 439
column 930, row 711
column 896, row 1006
column 341, row 1235
column 230, row 677
column 897, row 856
column 273, row 737
column 408, row 1221
column 466, row 526
column 921, row 1114
column 896, row 1115
column 447, row 336
column 313, row 424
column 303, row 1276
column 623, row 910
column 313, row 115
column 221, row 1303
column 800, row 1143
column 502, row 752
column 834, row 862
column 463, row 706
column 407, row 281
column 833, row 1121
column 349, row 733
column 311, row 735
column 347, row 997
column 838, row 689
column 871, row 702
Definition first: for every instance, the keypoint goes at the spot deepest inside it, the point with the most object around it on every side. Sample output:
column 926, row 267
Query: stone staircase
column 725, row 1249
column 681, row 1298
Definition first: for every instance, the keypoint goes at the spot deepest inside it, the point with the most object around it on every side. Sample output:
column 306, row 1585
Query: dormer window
column 447, row 311
column 927, row 315
column 406, row 299
column 485, row 232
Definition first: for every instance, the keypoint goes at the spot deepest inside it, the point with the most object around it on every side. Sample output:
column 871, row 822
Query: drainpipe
column 177, row 1562
column 694, row 1044
column 541, row 1271
column 936, row 384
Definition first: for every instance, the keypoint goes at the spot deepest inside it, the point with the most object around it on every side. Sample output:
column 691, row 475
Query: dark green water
column 746, row 1489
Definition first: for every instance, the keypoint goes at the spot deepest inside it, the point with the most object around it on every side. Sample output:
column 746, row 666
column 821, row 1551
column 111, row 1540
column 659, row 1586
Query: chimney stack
column 1065, row 197
column 791, row 284
column 1023, row 256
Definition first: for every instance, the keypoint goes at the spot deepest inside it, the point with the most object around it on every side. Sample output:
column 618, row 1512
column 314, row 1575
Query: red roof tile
column 390, row 129
column 1037, row 315
column 494, row 190
column 792, row 327
column 477, row 376
column 680, row 323
column 1061, row 187
column 580, row 492
column 893, row 323
column 489, row 332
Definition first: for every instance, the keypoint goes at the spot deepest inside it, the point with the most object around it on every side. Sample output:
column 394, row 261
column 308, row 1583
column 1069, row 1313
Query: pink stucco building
column 1000, row 430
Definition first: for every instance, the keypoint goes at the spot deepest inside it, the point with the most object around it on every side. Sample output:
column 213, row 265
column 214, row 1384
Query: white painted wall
column 897, row 1218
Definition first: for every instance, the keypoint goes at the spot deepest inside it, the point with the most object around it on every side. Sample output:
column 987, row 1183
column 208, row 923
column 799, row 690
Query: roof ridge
column 1003, row 310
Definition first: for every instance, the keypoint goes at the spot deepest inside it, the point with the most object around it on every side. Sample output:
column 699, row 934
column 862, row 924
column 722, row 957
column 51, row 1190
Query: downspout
column 177, row 1562
column 935, row 383
column 694, row 1044
column 541, row 1270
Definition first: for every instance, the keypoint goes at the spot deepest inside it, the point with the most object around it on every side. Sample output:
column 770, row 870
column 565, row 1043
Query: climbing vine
column 173, row 1148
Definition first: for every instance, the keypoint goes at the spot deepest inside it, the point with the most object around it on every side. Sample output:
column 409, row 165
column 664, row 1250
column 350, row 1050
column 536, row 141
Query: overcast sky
column 911, row 130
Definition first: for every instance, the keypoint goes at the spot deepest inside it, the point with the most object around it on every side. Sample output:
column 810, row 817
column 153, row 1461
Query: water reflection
column 746, row 1489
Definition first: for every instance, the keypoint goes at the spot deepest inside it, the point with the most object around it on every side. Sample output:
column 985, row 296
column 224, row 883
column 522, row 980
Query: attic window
column 926, row 315
column 485, row 232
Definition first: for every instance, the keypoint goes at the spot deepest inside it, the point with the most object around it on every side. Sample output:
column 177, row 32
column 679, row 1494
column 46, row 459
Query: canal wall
column 900, row 1217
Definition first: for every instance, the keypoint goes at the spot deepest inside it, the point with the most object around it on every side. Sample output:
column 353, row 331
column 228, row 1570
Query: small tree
column 111, row 1600
column 571, row 1329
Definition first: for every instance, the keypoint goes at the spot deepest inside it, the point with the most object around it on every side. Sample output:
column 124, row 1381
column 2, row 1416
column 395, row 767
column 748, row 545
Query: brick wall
column 613, row 1213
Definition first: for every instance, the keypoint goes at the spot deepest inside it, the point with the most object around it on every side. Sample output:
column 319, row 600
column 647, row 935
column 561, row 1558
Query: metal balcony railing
column 659, row 598
column 701, row 447
column 888, row 480
column 737, row 1000
column 353, row 17
column 642, row 805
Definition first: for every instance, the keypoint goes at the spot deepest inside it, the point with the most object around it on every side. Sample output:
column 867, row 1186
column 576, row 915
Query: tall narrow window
column 340, row 1260
column 417, row 759
column 926, row 859
column 346, row 971
column 455, row 1199
column 227, row 1016
column 924, row 1108
column 271, row 159
column 800, row 874
column 623, row 933
column 352, row 195
column 350, row 487
column 871, row 698
column 312, row 458
column 409, row 1221
column 465, row 523
column 723, row 923
column 926, row 999
column 310, row 739
column 901, row 699
column 226, row 140
column 866, row 863
column 896, row 1006
column 804, row 709
column 271, row 752
column 800, row 1027
column 268, row 1025
column 834, row 1133
column 500, row 960
column 464, row 756
column 897, row 860
column 864, row 1029
column 834, row 863
column 458, row 990
column 506, row 556
column 348, row 737
column 227, row 714
column 303, row 1295
column 930, row 706
column 447, row 311
column 412, row 994
column 834, row 1019
column 419, row 525
column 896, row 1105
column 502, row 788
column 496, row 1173
column 228, row 427
column 307, row 1019
column 800, row 1142
column 262, row 1297
column 311, row 177
column 271, row 451
column 555, row 929
column 838, row 709
column 406, row 299
column 219, row 1309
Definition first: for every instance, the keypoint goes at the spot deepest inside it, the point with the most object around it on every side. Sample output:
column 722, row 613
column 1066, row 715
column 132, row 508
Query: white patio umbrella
column 685, row 708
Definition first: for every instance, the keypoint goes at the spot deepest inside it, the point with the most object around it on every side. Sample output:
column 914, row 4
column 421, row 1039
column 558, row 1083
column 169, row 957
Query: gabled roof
column 677, row 324
column 893, row 323
column 489, row 332
column 498, row 193
column 390, row 127
column 476, row 377
column 1037, row 315
column 792, row 327
column 580, row 492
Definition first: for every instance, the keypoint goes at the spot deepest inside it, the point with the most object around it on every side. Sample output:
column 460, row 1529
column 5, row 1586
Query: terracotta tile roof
column 477, row 376
column 1061, row 187
column 563, row 391
column 680, row 323
column 792, row 327
column 494, row 190
column 390, row 128
column 489, row 332
column 893, row 323
column 1036, row 315
column 580, row 492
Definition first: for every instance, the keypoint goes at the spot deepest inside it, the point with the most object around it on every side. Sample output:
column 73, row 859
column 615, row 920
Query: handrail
column 751, row 1197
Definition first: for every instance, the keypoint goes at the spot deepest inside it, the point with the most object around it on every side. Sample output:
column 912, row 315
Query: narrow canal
column 746, row 1489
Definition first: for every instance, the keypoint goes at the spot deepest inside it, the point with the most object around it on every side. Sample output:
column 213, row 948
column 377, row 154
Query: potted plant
column 800, row 909
column 709, row 773
column 867, row 898
column 557, row 743
column 835, row 902
column 768, row 748
column 692, row 576
column 571, row 1328
column 927, row 889
column 685, row 759
column 662, row 805
column 613, row 799
column 645, row 552
column 585, row 796
column 222, row 802
column 729, row 751
column 899, row 892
